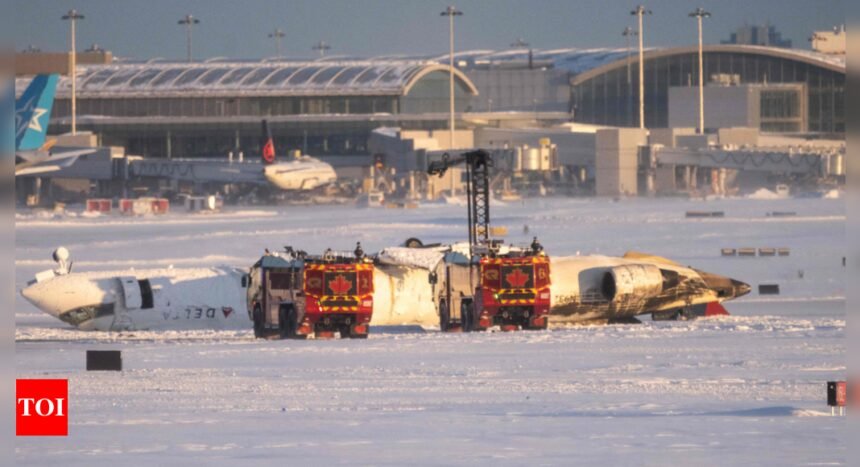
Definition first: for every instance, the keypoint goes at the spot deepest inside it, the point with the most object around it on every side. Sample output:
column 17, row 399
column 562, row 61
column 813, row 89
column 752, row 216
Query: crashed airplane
column 585, row 289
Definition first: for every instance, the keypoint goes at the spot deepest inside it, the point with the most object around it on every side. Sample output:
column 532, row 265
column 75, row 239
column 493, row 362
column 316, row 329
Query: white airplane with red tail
column 302, row 173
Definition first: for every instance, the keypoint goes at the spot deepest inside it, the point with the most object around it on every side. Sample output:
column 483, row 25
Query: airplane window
column 86, row 313
column 145, row 294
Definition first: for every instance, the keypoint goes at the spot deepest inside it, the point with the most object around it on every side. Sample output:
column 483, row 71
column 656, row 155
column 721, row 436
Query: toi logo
column 42, row 407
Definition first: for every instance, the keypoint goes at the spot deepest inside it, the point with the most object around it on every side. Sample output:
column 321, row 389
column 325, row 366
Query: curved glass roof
column 581, row 60
column 263, row 77
column 387, row 75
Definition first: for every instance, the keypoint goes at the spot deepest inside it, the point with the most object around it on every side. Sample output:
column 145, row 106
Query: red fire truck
column 514, row 291
column 295, row 295
column 509, row 289
column 490, row 284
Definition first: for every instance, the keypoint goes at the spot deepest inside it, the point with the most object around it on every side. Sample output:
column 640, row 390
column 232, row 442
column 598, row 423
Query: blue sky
column 239, row 29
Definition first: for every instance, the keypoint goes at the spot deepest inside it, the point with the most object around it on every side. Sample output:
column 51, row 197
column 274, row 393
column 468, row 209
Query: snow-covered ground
column 746, row 389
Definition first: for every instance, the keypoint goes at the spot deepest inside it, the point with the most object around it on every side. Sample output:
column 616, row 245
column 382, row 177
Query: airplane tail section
column 268, row 144
column 33, row 111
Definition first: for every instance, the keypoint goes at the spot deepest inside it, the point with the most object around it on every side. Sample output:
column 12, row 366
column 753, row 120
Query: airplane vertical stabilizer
column 33, row 112
column 268, row 144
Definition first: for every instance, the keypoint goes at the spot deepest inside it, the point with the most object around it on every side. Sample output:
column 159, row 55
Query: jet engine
column 636, row 280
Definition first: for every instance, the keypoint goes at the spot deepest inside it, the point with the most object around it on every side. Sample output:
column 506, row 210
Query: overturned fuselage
column 585, row 289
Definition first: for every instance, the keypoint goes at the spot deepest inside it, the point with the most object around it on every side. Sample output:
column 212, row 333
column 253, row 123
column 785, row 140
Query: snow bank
column 832, row 194
column 764, row 193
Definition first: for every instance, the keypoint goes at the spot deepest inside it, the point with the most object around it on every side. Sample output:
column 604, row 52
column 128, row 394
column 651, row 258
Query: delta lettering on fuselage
column 196, row 312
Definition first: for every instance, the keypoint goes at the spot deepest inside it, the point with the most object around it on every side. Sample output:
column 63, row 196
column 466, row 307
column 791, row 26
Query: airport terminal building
column 329, row 107
column 607, row 94
column 203, row 109
column 602, row 85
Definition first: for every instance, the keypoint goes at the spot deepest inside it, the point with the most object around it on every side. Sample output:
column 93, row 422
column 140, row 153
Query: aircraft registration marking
column 196, row 312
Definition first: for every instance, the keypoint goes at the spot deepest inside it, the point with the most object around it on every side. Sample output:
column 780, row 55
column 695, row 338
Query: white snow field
column 748, row 389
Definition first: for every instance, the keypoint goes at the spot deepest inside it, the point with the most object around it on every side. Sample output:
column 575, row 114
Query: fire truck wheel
column 288, row 322
column 544, row 324
column 467, row 315
column 283, row 324
column 258, row 322
column 444, row 316
column 413, row 242
column 348, row 332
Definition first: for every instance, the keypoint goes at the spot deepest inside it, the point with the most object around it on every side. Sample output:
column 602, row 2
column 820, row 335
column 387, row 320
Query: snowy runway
column 745, row 389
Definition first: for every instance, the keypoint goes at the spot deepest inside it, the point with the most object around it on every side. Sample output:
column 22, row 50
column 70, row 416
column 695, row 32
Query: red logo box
column 41, row 407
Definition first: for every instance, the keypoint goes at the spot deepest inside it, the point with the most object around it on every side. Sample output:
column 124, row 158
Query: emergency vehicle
column 505, row 287
column 490, row 284
column 295, row 295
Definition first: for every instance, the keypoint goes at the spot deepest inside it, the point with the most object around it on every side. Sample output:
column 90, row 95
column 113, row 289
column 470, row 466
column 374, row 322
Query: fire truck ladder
column 477, row 163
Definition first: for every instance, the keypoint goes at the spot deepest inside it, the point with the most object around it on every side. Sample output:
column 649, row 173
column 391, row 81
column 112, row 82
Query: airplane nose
column 740, row 288
column 39, row 295
column 62, row 294
column 725, row 287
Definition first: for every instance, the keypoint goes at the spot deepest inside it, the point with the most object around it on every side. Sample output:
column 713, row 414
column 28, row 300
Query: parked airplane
column 586, row 289
column 302, row 173
column 33, row 153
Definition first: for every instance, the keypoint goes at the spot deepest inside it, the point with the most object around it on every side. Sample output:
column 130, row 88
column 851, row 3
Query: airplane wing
column 53, row 163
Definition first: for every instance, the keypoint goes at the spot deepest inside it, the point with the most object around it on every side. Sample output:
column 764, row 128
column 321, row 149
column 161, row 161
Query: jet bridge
column 110, row 164
column 199, row 170
column 822, row 162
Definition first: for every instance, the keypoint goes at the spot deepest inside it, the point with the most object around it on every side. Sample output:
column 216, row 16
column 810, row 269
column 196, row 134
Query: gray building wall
column 617, row 162
column 725, row 106
column 574, row 149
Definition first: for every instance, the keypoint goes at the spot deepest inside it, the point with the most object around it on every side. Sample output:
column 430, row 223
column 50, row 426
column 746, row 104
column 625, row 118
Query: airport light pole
column 188, row 21
column 520, row 43
column 700, row 13
column 451, row 12
column 277, row 35
column 639, row 12
column 321, row 47
column 73, row 16
column 628, row 31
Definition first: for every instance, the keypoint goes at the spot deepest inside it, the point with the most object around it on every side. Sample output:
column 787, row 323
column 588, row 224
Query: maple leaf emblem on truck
column 517, row 278
column 340, row 286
